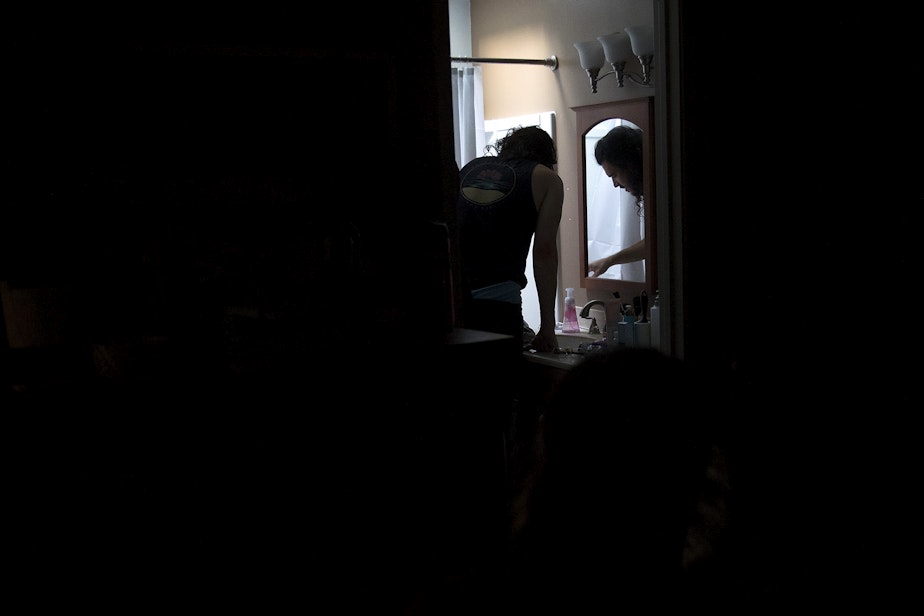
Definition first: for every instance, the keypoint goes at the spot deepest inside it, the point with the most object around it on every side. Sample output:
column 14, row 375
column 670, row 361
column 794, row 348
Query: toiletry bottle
column 625, row 334
column 655, row 318
column 571, row 323
column 613, row 309
column 642, row 326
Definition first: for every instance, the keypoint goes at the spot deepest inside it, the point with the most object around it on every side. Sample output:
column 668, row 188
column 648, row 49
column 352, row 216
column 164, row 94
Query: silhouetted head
column 529, row 142
column 621, row 148
column 621, row 458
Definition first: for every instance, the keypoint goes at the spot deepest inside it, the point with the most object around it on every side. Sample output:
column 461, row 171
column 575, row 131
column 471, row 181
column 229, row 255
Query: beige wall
column 539, row 29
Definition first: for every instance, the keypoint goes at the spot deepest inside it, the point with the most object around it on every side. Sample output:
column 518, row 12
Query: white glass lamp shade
column 642, row 38
column 591, row 54
column 617, row 47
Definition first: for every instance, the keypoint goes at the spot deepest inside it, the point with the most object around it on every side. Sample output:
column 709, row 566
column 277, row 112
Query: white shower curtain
column 467, row 113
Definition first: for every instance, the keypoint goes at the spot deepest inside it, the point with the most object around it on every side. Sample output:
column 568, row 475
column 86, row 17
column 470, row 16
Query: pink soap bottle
column 571, row 322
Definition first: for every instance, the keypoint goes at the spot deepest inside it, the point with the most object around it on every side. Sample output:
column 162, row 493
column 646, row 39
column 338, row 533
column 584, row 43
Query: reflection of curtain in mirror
column 613, row 222
column 467, row 113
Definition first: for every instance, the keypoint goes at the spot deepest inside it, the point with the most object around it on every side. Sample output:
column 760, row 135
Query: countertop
column 564, row 361
column 567, row 356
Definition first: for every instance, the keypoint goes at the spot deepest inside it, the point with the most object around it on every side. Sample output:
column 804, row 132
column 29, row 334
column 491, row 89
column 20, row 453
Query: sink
column 569, row 352
column 574, row 341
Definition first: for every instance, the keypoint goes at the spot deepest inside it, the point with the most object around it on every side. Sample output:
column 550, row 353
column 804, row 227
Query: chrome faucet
column 585, row 314
column 585, row 311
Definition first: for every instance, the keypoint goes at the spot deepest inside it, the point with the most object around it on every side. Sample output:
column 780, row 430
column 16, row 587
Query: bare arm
column 635, row 252
column 549, row 194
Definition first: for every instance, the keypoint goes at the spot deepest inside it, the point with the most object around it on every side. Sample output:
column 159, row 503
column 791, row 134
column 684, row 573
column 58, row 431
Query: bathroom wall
column 539, row 29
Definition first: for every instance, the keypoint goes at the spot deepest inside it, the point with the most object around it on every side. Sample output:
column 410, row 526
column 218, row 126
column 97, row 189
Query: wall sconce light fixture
column 616, row 49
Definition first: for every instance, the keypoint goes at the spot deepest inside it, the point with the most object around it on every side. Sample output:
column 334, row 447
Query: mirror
column 609, row 218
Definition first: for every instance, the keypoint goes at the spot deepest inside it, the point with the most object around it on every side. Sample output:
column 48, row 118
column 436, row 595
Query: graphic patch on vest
column 488, row 183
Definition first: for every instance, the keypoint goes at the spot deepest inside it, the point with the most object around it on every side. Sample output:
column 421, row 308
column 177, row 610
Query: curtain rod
column 551, row 62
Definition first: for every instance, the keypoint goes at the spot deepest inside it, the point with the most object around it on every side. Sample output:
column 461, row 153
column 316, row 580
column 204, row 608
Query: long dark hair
column 622, row 147
column 529, row 142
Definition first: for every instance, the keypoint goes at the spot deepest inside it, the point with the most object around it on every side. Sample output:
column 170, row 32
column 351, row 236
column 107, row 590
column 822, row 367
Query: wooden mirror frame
column 640, row 112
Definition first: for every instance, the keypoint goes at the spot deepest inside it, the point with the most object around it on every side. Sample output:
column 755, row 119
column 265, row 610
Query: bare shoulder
column 545, row 174
column 546, row 181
